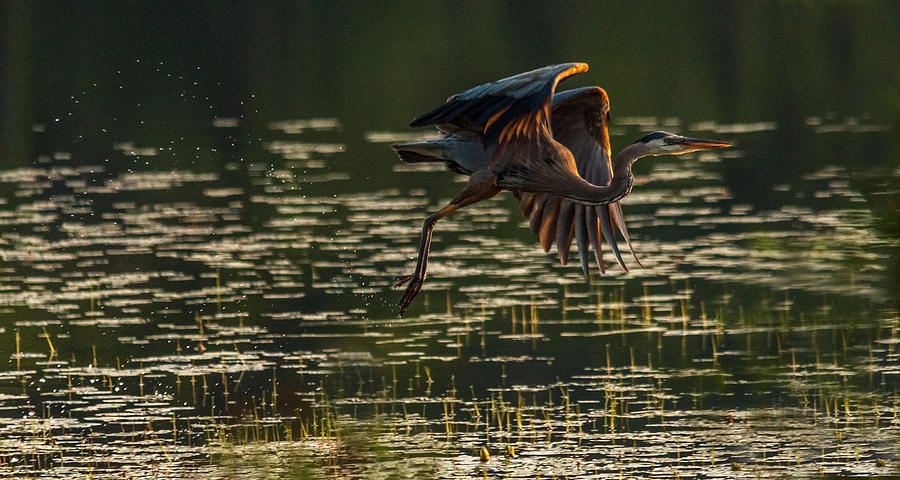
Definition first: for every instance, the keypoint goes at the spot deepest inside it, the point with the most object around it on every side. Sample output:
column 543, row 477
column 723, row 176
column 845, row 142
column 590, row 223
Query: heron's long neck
column 586, row 193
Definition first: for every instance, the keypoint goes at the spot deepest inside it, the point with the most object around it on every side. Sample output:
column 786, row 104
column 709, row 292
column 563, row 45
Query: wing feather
column 619, row 219
column 548, row 227
column 603, row 216
column 537, row 214
column 581, row 237
column 527, row 203
column 564, row 230
column 590, row 223
column 502, row 109
column 580, row 119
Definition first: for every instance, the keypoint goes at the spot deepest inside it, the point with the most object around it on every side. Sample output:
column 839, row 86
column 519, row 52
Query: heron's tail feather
column 420, row 152
column 436, row 151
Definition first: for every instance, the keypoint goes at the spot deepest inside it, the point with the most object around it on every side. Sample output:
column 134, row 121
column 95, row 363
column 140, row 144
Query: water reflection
column 196, row 277
column 169, row 316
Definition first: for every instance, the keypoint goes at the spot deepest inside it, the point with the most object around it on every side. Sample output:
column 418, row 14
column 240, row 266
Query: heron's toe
column 411, row 291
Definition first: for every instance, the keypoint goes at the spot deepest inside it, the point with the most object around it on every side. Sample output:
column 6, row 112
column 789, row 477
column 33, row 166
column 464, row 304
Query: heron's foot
column 415, row 284
column 401, row 280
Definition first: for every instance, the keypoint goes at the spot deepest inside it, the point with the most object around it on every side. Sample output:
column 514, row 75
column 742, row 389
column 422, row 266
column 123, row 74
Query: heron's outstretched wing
column 503, row 110
column 579, row 119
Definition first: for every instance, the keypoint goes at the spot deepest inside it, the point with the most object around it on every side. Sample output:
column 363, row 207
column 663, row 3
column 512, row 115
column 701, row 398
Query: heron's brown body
column 550, row 149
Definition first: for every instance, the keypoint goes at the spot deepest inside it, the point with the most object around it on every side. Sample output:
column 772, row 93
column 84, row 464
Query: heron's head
column 665, row 143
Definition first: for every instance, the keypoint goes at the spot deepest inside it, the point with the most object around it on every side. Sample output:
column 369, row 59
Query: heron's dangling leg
column 476, row 190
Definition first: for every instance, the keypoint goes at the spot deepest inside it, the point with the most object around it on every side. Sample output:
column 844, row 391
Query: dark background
column 81, row 77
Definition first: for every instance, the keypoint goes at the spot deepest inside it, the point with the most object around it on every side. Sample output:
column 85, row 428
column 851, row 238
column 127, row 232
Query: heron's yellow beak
column 698, row 144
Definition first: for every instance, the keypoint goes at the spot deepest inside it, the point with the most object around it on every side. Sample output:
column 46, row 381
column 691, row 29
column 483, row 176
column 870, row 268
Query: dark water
column 201, row 220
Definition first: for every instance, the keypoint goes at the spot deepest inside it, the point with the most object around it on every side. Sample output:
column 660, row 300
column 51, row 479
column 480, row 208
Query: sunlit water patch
column 242, row 321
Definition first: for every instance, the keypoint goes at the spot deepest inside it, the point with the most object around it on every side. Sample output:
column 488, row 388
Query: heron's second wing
column 504, row 109
column 579, row 119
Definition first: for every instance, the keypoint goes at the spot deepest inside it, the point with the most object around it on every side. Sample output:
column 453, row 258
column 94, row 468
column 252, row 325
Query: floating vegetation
column 242, row 322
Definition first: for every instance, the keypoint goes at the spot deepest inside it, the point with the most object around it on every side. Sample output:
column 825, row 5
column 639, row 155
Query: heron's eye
column 669, row 140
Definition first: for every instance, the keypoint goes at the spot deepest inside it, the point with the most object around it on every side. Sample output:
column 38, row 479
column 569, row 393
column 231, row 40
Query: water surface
column 197, row 260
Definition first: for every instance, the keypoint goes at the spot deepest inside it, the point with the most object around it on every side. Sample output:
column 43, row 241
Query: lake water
column 202, row 220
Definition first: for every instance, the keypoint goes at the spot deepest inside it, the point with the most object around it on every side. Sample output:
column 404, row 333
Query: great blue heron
column 550, row 149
